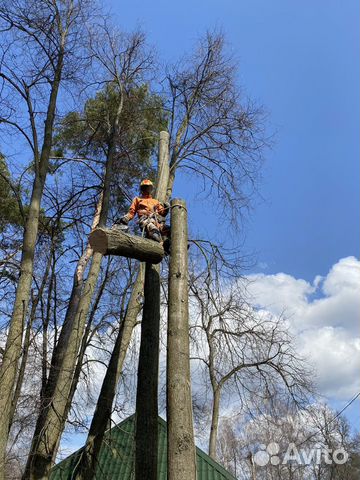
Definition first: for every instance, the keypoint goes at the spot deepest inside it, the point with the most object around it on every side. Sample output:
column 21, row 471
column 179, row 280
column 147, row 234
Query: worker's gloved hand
column 166, row 205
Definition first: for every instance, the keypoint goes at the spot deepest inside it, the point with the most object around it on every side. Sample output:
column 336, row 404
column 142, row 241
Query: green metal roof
column 117, row 457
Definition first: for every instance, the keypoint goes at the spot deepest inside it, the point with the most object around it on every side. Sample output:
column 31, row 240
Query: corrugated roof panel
column 117, row 457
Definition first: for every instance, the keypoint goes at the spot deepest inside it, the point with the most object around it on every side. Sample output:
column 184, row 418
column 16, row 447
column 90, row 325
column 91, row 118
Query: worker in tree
column 151, row 214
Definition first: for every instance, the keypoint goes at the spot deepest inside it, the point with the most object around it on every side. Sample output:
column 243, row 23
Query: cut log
column 115, row 242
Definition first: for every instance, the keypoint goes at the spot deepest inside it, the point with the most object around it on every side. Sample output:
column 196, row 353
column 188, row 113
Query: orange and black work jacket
column 145, row 205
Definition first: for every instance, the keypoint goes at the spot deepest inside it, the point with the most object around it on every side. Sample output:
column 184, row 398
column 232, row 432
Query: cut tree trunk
column 146, row 436
column 115, row 242
column 181, row 452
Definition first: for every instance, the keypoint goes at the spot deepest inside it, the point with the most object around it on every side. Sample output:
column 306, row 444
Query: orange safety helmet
column 146, row 183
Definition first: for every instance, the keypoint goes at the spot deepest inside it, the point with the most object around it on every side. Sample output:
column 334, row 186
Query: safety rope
column 178, row 205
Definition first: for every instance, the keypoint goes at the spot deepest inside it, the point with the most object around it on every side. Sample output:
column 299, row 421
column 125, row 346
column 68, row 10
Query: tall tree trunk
column 84, row 341
column 72, row 308
column 146, row 436
column 12, row 353
column 52, row 418
column 51, row 421
column 104, row 405
column 214, row 422
column 26, row 346
column 181, row 452
column 46, row 321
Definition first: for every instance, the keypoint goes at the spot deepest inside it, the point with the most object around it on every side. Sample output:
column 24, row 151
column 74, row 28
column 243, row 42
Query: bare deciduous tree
column 45, row 34
column 241, row 349
column 216, row 132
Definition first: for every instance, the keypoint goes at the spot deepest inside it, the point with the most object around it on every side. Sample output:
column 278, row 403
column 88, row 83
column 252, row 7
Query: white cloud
column 324, row 317
column 336, row 356
column 279, row 292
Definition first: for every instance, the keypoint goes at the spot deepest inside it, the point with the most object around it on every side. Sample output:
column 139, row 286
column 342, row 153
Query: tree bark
column 84, row 342
column 146, row 437
column 26, row 344
column 180, row 439
column 115, row 242
column 163, row 168
column 214, row 423
column 9, row 367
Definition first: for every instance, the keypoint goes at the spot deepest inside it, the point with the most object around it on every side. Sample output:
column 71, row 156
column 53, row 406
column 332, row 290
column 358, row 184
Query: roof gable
column 117, row 457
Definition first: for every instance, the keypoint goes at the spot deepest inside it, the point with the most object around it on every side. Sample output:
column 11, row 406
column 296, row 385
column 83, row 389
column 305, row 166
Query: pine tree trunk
column 146, row 437
column 104, row 405
column 181, row 452
column 12, row 353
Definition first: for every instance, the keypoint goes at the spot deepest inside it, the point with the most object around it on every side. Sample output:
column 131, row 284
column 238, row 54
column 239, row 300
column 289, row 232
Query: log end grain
column 98, row 240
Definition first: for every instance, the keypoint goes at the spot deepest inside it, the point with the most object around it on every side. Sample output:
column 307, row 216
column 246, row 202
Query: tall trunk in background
column 26, row 345
column 72, row 308
column 84, row 341
column 214, row 422
column 52, row 418
column 13, row 348
column 106, row 398
column 146, row 435
column 100, row 421
column 181, row 454
column 45, row 325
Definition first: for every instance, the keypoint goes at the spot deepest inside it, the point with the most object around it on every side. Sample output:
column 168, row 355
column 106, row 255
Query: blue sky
column 300, row 59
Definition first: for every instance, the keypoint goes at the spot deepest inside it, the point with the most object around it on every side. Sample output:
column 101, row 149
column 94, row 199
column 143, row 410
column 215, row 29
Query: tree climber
column 151, row 215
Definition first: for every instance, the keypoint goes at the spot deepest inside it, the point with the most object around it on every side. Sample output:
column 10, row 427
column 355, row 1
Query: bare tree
column 299, row 440
column 242, row 350
column 46, row 33
column 216, row 132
